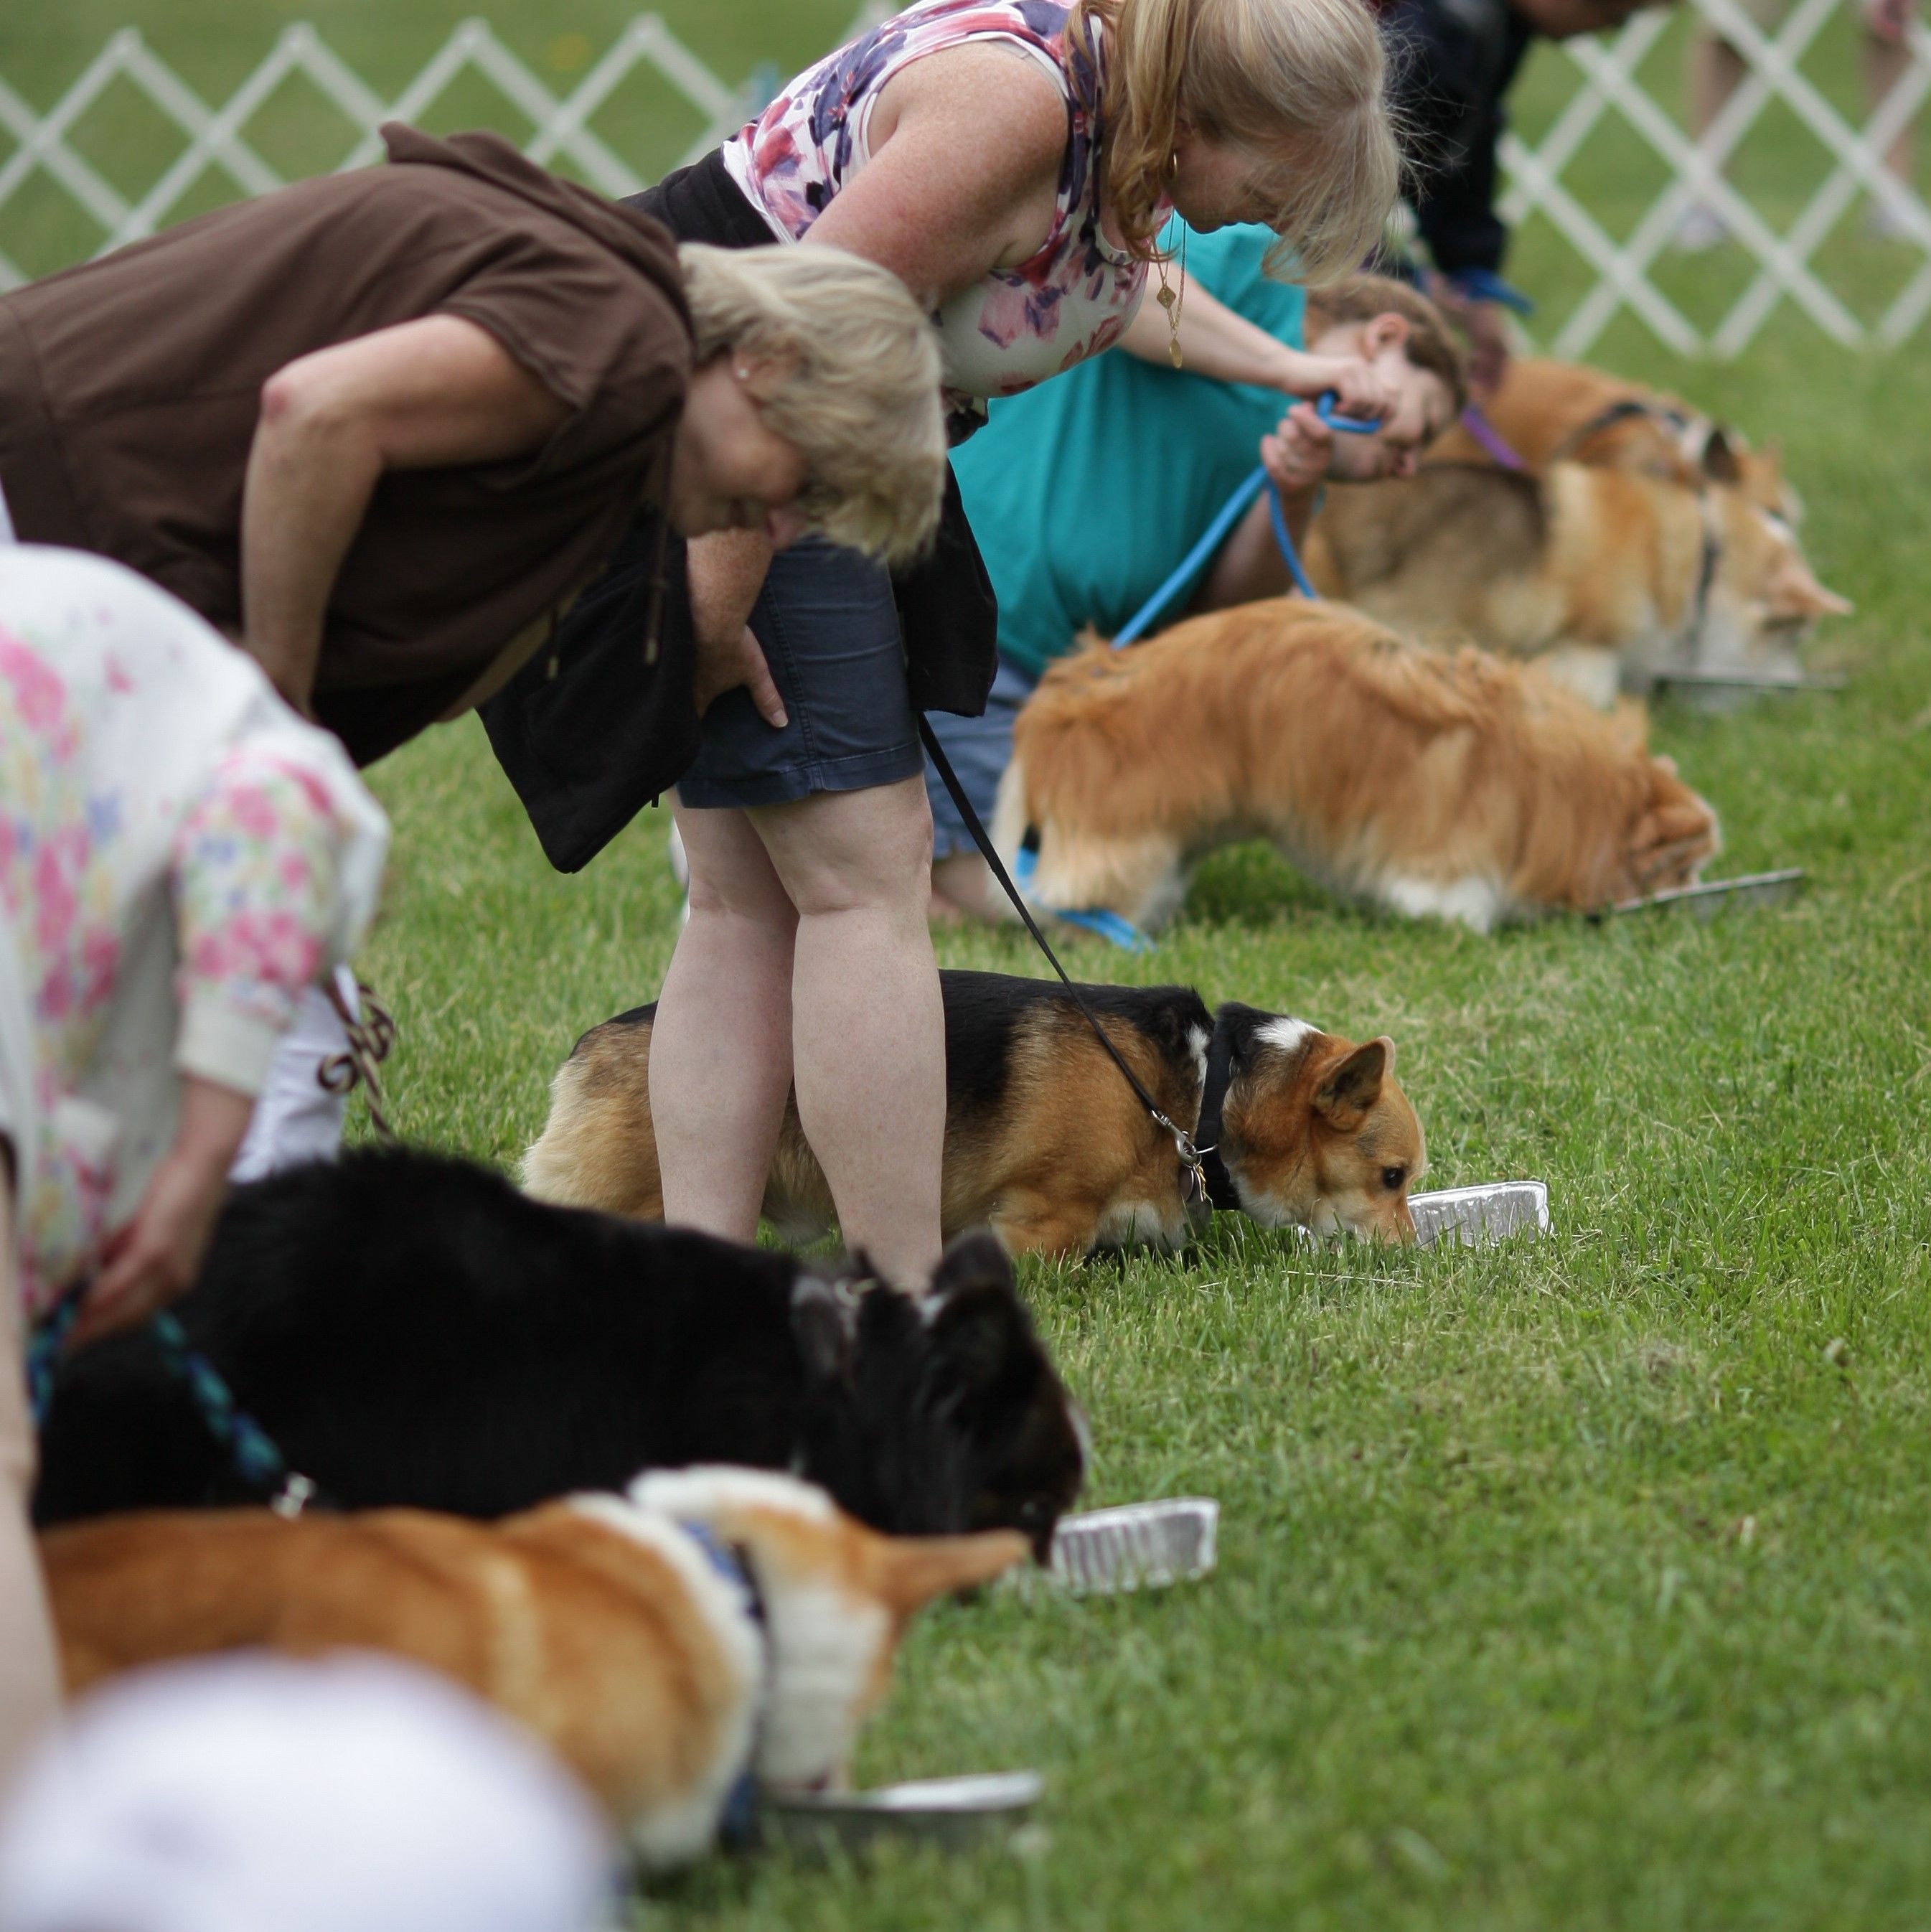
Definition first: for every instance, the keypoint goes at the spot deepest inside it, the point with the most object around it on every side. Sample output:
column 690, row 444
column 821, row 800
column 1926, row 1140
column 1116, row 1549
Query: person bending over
column 1088, row 492
column 1455, row 62
column 381, row 427
column 180, row 857
column 1013, row 161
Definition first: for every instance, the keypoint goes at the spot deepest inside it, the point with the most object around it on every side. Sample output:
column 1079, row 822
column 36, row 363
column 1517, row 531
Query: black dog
column 411, row 1331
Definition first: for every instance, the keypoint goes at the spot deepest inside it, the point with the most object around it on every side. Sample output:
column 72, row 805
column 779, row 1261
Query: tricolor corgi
column 711, row 1624
column 1615, row 577
column 1546, row 411
column 1044, row 1140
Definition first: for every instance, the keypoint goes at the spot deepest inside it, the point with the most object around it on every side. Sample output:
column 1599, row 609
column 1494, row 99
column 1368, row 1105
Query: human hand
column 723, row 664
column 1888, row 19
column 1296, row 455
column 157, row 1257
column 726, row 571
column 1361, row 388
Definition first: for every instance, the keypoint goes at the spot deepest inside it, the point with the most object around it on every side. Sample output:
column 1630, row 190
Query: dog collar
column 738, row 1822
column 1221, row 1190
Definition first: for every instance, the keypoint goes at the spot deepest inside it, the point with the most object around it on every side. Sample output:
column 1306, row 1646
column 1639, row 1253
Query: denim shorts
column 979, row 750
column 829, row 628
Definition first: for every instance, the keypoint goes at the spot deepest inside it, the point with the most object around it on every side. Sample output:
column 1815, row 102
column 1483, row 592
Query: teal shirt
column 1086, row 492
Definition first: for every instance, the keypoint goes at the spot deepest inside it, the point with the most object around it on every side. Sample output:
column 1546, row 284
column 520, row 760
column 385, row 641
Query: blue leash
column 257, row 1461
column 1109, row 926
column 1230, row 513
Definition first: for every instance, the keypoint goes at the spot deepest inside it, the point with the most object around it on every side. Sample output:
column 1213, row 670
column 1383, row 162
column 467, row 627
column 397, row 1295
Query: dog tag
column 1474, row 1215
column 1707, row 900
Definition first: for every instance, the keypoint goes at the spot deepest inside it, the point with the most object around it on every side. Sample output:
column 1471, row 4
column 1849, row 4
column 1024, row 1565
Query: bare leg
column 1886, row 62
column 29, row 1664
column 963, row 884
column 869, row 1039
column 1716, row 70
column 721, row 1050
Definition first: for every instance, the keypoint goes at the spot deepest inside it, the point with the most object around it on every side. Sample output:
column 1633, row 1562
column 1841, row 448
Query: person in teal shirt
column 1086, row 493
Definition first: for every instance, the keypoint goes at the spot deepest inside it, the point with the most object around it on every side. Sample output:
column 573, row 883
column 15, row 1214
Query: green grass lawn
column 1579, row 1584
column 1570, row 1584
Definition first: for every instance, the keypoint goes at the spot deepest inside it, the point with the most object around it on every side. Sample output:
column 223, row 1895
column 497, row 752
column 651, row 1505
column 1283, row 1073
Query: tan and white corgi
column 1044, row 1140
column 1449, row 785
column 713, row 1622
column 1547, row 411
column 1610, row 576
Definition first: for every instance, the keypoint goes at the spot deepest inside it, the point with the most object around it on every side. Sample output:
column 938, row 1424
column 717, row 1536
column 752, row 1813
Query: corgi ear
column 824, row 1325
column 1343, row 1097
column 905, row 1572
column 1720, row 462
column 975, row 1260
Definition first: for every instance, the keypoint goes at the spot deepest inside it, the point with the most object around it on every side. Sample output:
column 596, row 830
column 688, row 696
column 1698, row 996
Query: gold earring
column 1170, row 299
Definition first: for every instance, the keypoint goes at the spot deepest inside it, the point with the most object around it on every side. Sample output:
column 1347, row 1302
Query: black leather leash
column 1191, row 1157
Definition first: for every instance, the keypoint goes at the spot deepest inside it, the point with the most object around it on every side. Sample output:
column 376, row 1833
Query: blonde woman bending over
column 1012, row 160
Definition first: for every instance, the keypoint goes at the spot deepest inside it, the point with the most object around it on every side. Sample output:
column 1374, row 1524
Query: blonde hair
column 1431, row 344
column 1302, row 81
column 859, row 395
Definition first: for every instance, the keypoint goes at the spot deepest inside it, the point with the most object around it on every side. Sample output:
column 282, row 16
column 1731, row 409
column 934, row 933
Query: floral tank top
column 1014, row 327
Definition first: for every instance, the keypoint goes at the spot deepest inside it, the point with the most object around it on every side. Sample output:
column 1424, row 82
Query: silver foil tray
column 1707, row 900
column 1472, row 1215
column 1138, row 1547
column 952, row 1812
column 1742, row 678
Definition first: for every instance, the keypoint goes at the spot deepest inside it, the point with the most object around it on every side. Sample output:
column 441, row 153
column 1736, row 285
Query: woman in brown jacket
column 381, row 427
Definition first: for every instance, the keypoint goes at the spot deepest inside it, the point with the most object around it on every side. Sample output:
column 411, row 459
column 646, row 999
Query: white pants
column 297, row 1119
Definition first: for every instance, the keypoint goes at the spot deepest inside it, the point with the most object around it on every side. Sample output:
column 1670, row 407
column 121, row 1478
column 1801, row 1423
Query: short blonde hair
column 1304, row 80
column 860, row 401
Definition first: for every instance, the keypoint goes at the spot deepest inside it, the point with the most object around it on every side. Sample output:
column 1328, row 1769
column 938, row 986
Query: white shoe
column 1699, row 230
column 1882, row 222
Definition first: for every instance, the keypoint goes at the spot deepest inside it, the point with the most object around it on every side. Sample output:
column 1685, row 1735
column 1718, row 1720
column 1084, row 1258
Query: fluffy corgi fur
column 1614, row 575
column 1043, row 1140
column 411, row 1329
column 1453, row 785
column 600, row 1622
column 1547, row 410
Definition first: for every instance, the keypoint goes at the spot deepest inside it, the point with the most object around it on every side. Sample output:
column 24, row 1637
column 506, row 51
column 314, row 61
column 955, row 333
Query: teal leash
column 257, row 1460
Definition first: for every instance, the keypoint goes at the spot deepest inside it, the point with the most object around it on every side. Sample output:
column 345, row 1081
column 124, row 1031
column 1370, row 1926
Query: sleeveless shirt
column 1014, row 327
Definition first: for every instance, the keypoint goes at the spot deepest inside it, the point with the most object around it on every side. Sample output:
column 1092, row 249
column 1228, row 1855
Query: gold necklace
column 1171, row 299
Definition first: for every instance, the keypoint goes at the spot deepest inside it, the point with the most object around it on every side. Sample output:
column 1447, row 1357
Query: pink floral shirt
column 1014, row 327
column 180, row 855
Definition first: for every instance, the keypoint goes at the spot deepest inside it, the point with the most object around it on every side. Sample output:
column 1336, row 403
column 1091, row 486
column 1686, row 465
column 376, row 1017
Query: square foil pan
column 1137, row 1546
column 1716, row 896
column 1744, row 677
column 952, row 1812
column 1492, row 1212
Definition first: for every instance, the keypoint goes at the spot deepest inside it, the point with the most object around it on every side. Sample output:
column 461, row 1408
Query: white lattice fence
column 1618, row 92
column 219, row 138
column 1615, row 80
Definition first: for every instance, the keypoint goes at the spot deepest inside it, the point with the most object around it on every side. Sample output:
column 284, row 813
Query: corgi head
column 1671, row 836
column 941, row 1410
column 1315, row 1132
column 1765, row 593
column 836, row 1598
